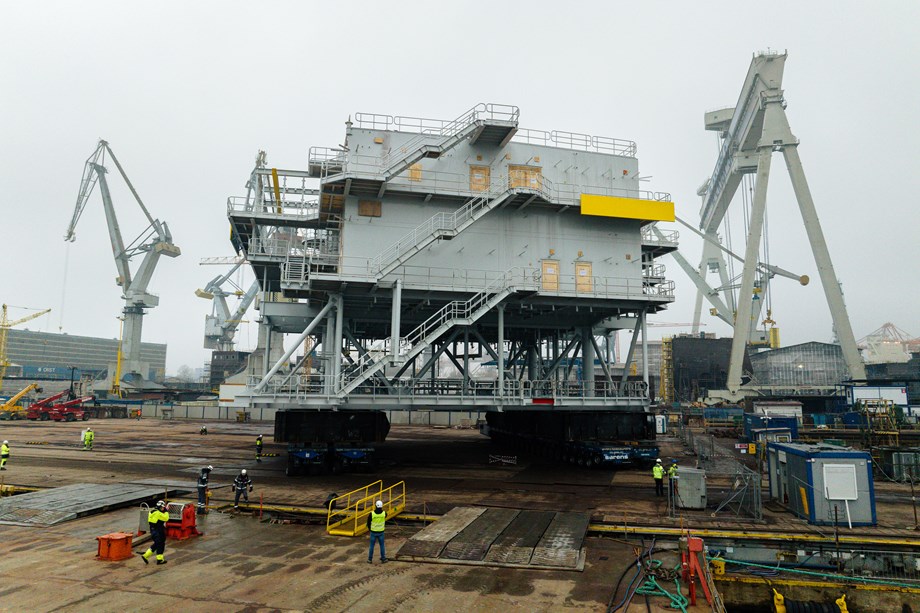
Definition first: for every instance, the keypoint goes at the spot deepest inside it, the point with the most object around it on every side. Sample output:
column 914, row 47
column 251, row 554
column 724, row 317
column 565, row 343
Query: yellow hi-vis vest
column 155, row 516
column 658, row 471
column 88, row 437
column 5, row 450
column 672, row 470
column 378, row 521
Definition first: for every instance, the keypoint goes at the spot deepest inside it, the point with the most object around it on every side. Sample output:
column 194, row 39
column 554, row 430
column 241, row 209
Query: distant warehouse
column 45, row 355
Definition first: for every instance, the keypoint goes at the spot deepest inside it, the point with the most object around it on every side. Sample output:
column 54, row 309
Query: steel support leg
column 742, row 331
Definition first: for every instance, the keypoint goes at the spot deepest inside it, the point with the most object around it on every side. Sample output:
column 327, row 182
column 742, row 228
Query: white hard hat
column 378, row 504
column 210, row 467
column 243, row 472
column 160, row 503
column 658, row 460
column 5, row 442
column 260, row 436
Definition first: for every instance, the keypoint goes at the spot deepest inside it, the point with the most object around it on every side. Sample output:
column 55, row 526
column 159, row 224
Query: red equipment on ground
column 182, row 521
column 71, row 410
column 691, row 548
column 41, row 409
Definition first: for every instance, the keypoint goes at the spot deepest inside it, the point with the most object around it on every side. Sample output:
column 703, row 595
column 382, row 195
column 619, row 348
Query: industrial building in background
column 420, row 240
column 48, row 356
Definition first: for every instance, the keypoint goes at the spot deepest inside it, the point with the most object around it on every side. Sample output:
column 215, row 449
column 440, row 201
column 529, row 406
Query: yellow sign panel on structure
column 627, row 208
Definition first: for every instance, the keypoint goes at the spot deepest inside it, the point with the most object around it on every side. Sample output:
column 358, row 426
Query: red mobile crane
column 41, row 409
column 71, row 410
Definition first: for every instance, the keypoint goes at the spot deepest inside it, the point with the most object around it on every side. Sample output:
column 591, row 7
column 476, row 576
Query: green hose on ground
column 651, row 587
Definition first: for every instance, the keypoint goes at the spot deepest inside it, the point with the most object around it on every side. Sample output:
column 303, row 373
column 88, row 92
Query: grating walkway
column 501, row 537
column 60, row 504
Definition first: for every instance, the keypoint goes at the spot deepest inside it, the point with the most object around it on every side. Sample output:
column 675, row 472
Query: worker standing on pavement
column 242, row 485
column 658, row 474
column 4, row 454
column 259, row 448
column 156, row 519
column 376, row 523
column 203, row 477
column 88, row 437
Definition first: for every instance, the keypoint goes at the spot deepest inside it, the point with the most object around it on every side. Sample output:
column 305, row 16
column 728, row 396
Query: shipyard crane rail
column 5, row 325
column 220, row 326
column 153, row 241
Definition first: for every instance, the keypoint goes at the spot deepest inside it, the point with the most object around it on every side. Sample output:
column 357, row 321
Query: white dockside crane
column 154, row 241
column 220, row 326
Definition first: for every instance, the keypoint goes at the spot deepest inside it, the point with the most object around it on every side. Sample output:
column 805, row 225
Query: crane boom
column 5, row 325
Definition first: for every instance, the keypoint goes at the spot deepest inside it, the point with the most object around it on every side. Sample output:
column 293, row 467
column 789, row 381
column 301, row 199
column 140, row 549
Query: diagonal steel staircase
column 438, row 226
column 456, row 313
column 470, row 124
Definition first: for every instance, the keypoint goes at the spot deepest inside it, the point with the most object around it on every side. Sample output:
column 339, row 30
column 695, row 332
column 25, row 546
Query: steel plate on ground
column 431, row 541
column 473, row 542
column 53, row 506
column 561, row 543
column 515, row 545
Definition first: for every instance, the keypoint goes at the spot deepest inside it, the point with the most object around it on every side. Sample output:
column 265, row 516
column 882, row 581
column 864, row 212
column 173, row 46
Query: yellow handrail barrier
column 351, row 519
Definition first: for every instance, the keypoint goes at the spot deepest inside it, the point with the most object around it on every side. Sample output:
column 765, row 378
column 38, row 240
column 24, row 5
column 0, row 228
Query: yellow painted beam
column 626, row 208
column 818, row 584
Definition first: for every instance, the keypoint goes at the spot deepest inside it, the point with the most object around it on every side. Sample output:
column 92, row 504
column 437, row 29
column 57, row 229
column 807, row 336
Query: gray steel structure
column 88, row 354
column 751, row 132
column 420, row 240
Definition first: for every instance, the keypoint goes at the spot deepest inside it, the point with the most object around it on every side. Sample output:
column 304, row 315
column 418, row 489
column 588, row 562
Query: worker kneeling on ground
column 88, row 437
column 4, row 454
column 376, row 523
column 242, row 485
column 156, row 519
column 658, row 474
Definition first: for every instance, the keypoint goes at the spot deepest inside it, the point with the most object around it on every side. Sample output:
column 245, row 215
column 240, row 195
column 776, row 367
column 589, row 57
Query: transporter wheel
column 85, row 416
column 70, row 417
column 598, row 460
column 44, row 417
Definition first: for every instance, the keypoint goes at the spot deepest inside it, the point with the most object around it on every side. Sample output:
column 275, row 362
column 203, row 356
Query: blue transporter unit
column 823, row 484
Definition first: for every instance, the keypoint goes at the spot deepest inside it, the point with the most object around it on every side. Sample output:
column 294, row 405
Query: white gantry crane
column 220, row 326
column 153, row 242
column 750, row 133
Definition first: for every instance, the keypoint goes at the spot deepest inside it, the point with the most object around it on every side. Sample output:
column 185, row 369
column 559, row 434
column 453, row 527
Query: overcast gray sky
column 187, row 92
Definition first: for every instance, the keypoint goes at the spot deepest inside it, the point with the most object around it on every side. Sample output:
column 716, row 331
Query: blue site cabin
column 811, row 480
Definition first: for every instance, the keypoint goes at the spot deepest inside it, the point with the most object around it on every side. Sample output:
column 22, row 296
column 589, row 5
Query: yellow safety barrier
column 347, row 515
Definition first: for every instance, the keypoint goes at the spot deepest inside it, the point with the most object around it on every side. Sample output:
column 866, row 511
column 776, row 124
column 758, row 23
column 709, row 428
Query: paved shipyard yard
column 246, row 565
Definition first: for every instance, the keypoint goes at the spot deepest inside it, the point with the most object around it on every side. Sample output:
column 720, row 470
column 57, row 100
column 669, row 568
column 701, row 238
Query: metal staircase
column 491, row 123
column 452, row 314
column 438, row 226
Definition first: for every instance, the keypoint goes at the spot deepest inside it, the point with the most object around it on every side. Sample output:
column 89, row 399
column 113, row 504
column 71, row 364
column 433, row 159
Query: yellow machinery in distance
column 11, row 410
column 5, row 325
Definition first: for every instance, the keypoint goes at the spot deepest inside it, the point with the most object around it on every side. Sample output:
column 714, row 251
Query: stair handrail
column 438, row 222
column 457, row 309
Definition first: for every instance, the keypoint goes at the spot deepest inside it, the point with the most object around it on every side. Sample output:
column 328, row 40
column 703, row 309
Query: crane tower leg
column 742, row 330
column 832, row 290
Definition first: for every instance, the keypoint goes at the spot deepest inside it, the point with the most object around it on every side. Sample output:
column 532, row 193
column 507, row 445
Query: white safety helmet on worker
column 243, row 472
column 210, row 467
column 658, row 461
column 161, row 504
column 379, row 504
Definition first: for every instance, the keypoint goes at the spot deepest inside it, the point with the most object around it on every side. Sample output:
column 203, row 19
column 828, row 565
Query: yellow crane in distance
column 10, row 409
column 5, row 325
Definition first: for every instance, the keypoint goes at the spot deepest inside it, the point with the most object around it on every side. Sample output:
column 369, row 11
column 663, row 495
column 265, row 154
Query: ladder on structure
column 357, row 505
column 452, row 314
column 483, row 121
